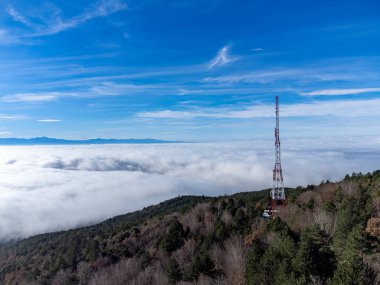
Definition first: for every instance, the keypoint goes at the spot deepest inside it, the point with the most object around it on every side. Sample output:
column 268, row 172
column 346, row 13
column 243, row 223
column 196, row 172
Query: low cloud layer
column 48, row 188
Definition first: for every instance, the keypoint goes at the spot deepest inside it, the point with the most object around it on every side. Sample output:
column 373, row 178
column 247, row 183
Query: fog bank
column 48, row 188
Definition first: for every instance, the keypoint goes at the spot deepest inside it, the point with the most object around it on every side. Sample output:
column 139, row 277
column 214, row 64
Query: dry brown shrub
column 251, row 237
column 373, row 227
column 10, row 278
column 255, row 233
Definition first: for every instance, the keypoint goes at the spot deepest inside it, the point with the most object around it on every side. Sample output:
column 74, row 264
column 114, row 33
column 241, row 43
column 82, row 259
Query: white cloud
column 183, row 91
column 97, row 89
column 18, row 17
column 47, row 188
column 275, row 75
column 31, row 97
column 262, row 76
column 49, row 120
column 222, row 58
column 337, row 92
column 115, row 89
column 56, row 24
column 101, row 9
column 6, row 38
column 338, row 108
column 170, row 114
column 12, row 117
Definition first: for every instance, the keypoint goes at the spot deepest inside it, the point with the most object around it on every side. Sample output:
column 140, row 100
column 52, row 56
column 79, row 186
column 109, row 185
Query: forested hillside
column 326, row 234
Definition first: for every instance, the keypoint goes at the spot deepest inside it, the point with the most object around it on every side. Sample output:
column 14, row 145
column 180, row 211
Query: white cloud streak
column 47, row 188
column 222, row 58
column 12, row 117
column 7, row 39
column 32, row 97
column 276, row 75
column 341, row 108
column 16, row 16
column 117, row 89
column 97, row 89
column 57, row 24
column 338, row 92
column 49, row 120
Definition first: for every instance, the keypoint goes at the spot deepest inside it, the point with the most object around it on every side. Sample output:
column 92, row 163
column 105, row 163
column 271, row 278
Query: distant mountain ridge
column 55, row 141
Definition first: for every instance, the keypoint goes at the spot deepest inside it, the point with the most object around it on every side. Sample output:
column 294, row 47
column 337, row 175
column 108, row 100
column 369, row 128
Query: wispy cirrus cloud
column 12, row 117
column 339, row 108
column 95, row 89
column 222, row 58
column 49, row 120
column 117, row 89
column 337, row 92
column 6, row 38
column 32, row 97
column 57, row 23
column 16, row 16
column 285, row 74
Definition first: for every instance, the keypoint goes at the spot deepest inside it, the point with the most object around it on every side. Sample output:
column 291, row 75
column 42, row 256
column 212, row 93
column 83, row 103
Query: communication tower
column 278, row 192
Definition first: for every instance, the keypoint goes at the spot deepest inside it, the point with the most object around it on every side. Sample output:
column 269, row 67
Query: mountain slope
column 326, row 234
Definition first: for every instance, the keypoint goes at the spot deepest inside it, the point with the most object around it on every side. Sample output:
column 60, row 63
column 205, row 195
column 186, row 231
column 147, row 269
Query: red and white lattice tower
column 277, row 193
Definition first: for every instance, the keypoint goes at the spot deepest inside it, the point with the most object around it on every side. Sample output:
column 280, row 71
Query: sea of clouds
column 48, row 188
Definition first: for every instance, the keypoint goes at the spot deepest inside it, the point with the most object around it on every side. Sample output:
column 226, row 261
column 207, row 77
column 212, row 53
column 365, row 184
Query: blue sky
column 189, row 70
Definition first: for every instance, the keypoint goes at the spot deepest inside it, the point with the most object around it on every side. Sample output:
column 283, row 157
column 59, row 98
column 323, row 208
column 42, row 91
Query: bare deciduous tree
column 84, row 272
column 118, row 274
column 235, row 263
column 185, row 254
column 326, row 221
column 62, row 278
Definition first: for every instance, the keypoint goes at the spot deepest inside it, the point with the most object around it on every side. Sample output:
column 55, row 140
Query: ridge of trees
column 326, row 234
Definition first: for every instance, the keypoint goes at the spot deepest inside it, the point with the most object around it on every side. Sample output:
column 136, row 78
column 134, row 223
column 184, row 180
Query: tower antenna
column 278, row 192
